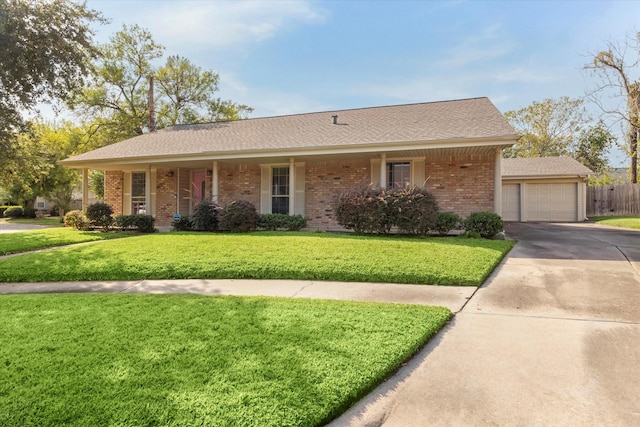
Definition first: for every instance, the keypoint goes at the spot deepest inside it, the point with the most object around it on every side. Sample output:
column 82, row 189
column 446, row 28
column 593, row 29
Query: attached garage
column 548, row 189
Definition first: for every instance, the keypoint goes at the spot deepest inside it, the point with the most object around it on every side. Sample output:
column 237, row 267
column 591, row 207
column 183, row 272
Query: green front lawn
column 618, row 221
column 266, row 255
column 38, row 239
column 184, row 360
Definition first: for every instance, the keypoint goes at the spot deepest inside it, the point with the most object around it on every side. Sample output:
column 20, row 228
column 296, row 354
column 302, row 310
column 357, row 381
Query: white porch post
column 85, row 188
column 214, row 182
column 383, row 170
column 497, row 183
column 147, row 191
column 292, row 185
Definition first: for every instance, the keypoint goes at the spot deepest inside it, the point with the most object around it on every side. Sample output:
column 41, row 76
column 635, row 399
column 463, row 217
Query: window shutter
column 154, row 188
column 126, row 202
column 299, row 190
column 375, row 173
column 418, row 173
column 265, row 189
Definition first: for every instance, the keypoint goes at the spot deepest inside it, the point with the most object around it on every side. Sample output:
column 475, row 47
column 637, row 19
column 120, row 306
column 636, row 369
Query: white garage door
column 511, row 202
column 552, row 202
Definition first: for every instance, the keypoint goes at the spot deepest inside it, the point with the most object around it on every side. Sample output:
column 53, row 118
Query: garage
column 547, row 189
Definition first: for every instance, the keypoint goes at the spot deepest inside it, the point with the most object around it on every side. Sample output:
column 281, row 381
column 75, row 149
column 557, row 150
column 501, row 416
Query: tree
column 45, row 50
column 615, row 70
column 548, row 128
column 115, row 104
column 592, row 147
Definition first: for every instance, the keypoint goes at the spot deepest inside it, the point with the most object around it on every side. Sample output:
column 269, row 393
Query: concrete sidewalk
column 452, row 297
column 551, row 339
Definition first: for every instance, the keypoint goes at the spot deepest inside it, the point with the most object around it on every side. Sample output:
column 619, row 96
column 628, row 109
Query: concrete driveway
column 551, row 339
column 10, row 227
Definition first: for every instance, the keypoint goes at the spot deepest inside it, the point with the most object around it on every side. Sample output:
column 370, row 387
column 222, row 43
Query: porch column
column 214, row 182
column 147, row 191
column 497, row 183
column 383, row 170
column 292, row 185
column 85, row 188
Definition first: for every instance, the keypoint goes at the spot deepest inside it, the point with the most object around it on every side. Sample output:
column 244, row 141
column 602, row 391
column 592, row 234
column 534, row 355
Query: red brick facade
column 461, row 184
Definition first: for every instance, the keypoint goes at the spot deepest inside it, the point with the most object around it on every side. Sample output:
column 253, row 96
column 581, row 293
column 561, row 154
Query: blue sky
column 285, row 57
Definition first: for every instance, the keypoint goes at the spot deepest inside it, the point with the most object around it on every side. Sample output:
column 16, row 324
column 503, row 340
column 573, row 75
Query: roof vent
column 335, row 119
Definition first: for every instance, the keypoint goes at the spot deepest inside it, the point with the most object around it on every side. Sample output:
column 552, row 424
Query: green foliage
column 238, row 216
column 447, row 221
column 187, row 360
column 139, row 222
column 28, row 212
column 592, row 147
column 414, row 209
column 46, row 50
column 274, row 222
column 205, row 217
column 76, row 219
column 13, row 212
column 618, row 221
column 96, row 183
column 486, row 224
column 100, row 214
column 470, row 235
column 183, row 224
column 267, row 255
column 3, row 209
column 366, row 210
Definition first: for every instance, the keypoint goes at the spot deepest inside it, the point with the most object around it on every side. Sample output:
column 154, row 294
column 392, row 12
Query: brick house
column 296, row 164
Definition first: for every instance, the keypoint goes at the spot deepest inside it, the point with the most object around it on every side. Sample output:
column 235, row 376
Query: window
column 138, row 193
column 398, row 174
column 280, row 190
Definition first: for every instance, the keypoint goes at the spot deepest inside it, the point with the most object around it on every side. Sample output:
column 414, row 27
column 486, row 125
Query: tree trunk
column 633, row 151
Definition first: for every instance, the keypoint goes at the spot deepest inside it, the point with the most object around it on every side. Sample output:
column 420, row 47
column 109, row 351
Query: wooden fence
column 608, row 200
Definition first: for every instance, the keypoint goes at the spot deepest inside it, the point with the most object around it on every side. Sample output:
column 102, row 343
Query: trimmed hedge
column 183, row 224
column 100, row 214
column 12, row 212
column 205, row 217
column 238, row 216
column 281, row 221
column 76, row 219
column 140, row 222
column 447, row 221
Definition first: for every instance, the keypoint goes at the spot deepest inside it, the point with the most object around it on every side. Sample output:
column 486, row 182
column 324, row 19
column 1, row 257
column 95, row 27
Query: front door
column 198, row 188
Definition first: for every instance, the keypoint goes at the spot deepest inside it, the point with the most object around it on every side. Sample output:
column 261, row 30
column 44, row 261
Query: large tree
column 548, row 128
column 45, row 50
column 116, row 103
column 560, row 127
column 617, row 70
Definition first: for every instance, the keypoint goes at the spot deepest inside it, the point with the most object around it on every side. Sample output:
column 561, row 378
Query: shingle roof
column 543, row 166
column 465, row 119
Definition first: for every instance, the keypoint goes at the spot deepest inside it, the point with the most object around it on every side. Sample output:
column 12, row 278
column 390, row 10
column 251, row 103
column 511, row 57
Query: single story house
column 296, row 164
column 544, row 189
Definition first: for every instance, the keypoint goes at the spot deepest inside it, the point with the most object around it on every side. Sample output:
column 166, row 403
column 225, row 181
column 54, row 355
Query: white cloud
column 220, row 24
column 487, row 45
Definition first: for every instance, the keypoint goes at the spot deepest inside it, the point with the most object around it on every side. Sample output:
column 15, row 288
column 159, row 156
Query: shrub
column 205, row 217
column 140, row 222
column 447, row 221
column 365, row 210
column 486, row 224
column 76, row 219
column 28, row 212
column 183, row 224
column 238, row 216
column 469, row 235
column 280, row 221
column 99, row 215
column 414, row 209
column 13, row 212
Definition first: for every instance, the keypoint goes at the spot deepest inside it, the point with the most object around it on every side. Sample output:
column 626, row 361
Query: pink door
column 197, row 192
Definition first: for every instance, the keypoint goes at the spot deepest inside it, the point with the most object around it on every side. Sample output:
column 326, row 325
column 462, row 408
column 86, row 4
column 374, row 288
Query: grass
column 618, row 221
column 48, row 221
column 266, row 255
column 38, row 239
column 177, row 360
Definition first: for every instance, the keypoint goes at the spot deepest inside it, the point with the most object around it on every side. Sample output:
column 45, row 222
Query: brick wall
column 462, row 184
column 239, row 182
column 113, row 182
column 324, row 179
column 166, row 181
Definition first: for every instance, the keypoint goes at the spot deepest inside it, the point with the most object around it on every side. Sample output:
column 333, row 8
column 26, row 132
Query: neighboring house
column 544, row 189
column 296, row 164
